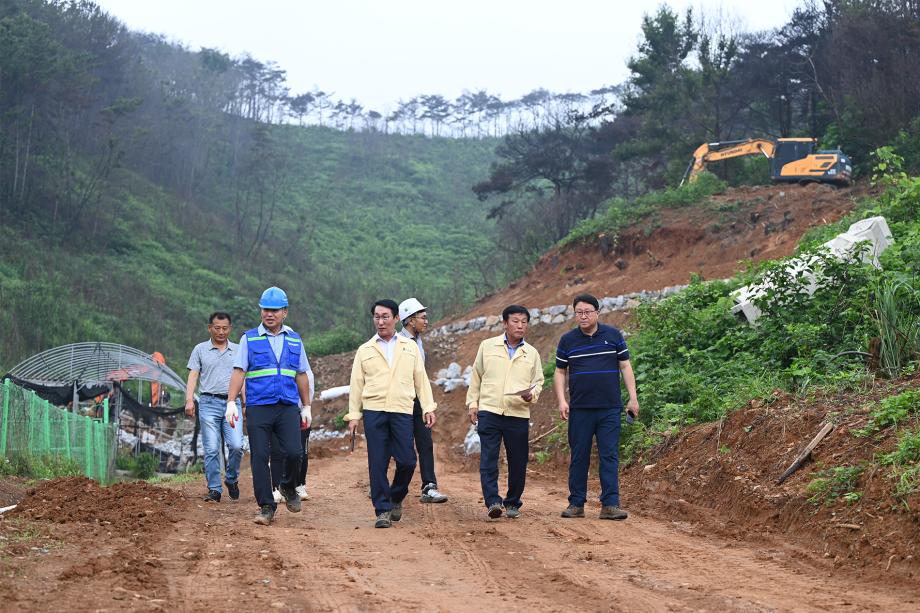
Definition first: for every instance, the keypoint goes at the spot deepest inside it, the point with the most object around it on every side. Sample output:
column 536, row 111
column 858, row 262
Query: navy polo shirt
column 593, row 363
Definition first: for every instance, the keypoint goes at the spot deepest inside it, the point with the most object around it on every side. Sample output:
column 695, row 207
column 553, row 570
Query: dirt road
column 448, row 557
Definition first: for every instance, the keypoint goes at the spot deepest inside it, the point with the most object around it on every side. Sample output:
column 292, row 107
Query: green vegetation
column 891, row 411
column 39, row 467
column 834, row 483
column 621, row 213
column 905, row 463
column 190, row 474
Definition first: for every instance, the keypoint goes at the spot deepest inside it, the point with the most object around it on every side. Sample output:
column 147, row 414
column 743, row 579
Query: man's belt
column 221, row 396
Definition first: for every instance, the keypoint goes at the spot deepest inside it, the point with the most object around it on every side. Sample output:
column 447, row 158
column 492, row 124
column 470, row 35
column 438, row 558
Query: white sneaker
column 277, row 496
column 302, row 492
column 433, row 495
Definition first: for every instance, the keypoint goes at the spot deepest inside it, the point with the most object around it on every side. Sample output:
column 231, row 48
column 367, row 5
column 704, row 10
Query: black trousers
column 263, row 421
column 277, row 460
column 424, row 447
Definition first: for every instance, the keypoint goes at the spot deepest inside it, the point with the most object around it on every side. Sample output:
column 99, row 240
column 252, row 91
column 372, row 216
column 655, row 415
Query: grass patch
column 39, row 467
column 834, row 483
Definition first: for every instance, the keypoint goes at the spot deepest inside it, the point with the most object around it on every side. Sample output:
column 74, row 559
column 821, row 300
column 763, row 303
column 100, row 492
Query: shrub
column 146, row 465
column 337, row 340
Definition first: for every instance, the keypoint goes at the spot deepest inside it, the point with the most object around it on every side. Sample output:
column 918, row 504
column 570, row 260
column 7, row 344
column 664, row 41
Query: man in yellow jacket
column 388, row 374
column 507, row 379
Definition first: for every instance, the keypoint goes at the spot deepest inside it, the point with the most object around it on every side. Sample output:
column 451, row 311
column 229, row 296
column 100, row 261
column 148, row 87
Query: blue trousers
column 585, row 425
column 212, row 422
column 388, row 435
column 261, row 422
column 493, row 429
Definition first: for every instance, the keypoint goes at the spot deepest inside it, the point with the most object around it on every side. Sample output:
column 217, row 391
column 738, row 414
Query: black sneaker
column 396, row 512
column 383, row 520
column 573, row 511
column 495, row 510
column 291, row 499
column 265, row 515
column 615, row 513
column 212, row 496
column 233, row 490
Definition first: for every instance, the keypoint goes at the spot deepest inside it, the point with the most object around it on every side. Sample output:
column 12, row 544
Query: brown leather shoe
column 613, row 513
column 573, row 511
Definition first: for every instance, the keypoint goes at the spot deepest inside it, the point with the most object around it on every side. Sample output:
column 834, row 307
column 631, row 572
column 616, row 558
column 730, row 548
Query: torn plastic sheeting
column 873, row 230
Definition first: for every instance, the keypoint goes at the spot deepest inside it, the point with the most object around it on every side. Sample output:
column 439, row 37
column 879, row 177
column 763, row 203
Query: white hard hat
column 409, row 307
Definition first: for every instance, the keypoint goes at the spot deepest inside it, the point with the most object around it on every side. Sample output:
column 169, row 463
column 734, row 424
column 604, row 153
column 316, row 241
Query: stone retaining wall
column 558, row 313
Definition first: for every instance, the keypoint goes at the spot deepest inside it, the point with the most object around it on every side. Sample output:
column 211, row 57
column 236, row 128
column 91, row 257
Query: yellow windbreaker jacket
column 496, row 378
column 378, row 387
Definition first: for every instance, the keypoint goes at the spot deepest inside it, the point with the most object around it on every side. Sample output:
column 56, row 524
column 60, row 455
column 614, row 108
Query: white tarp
column 333, row 392
column 873, row 229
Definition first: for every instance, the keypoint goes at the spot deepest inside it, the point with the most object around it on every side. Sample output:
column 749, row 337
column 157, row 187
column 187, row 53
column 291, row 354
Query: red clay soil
column 714, row 239
column 721, row 477
column 447, row 557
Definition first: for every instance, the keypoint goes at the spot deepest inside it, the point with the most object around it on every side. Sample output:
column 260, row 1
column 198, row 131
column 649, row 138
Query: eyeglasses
column 382, row 317
column 585, row 313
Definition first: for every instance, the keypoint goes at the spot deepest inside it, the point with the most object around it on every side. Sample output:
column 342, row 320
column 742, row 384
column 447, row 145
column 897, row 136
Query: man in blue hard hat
column 273, row 364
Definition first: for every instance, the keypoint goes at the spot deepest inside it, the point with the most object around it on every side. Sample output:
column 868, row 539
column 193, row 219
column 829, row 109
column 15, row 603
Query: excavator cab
column 795, row 161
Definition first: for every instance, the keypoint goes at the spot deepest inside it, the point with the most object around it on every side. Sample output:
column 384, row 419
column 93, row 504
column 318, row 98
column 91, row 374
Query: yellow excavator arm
column 716, row 152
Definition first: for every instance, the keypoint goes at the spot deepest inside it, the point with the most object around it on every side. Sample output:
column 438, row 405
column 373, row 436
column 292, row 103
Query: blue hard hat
column 273, row 298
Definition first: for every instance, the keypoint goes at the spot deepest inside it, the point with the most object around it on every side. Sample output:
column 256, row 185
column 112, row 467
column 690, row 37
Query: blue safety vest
column 267, row 380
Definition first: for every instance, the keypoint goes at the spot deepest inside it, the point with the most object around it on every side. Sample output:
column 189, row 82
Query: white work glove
column 232, row 414
column 305, row 416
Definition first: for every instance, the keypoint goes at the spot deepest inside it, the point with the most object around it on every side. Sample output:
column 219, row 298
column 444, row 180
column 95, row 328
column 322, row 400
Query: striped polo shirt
column 593, row 364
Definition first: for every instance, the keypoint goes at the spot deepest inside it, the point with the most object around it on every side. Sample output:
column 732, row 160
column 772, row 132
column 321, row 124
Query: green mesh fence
column 32, row 426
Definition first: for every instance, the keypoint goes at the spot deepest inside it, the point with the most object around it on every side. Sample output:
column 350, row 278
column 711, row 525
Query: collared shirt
column 387, row 347
column 593, row 364
column 215, row 366
column 276, row 341
column 511, row 349
column 417, row 339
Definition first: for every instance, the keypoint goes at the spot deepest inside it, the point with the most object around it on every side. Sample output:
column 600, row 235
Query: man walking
column 414, row 318
column 210, row 367
column 590, row 359
column 507, row 378
column 273, row 363
column 387, row 375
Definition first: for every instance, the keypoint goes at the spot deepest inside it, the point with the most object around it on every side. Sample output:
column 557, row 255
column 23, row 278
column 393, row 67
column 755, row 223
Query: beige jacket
column 377, row 386
column 496, row 378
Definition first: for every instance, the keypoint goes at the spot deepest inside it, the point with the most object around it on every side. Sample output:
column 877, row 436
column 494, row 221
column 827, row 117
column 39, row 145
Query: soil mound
column 125, row 507
column 724, row 475
column 713, row 239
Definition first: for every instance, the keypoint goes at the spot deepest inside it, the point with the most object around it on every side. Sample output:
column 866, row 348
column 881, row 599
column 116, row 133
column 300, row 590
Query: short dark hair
column 219, row 315
column 587, row 299
column 387, row 304
column 515, row 309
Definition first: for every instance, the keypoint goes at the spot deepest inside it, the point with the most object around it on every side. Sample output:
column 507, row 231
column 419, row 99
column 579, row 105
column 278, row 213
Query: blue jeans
column 494, row 429
column 388, row 435
column 211, row 417
column 584, row 426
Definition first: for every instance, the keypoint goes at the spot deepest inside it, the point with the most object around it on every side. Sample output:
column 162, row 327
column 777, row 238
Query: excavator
column 792, row 160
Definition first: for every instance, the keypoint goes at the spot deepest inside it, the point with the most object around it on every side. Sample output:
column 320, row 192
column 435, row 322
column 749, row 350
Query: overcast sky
column 380, row 51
